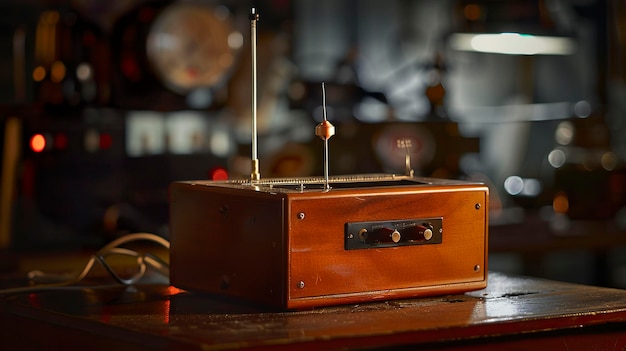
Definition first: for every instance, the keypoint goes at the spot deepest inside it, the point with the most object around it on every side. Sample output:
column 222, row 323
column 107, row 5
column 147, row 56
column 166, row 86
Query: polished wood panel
column 228, row 242
column 511, row 313
column 285, row 248
column 318, row 258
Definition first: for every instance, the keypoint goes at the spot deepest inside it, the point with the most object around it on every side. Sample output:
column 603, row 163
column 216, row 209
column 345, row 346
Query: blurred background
column 104, row 103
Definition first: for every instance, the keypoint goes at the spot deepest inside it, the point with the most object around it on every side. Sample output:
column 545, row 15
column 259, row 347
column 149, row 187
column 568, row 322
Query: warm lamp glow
column 39, row 73
column 560, row 203
column 38, row 143
column 57, row 72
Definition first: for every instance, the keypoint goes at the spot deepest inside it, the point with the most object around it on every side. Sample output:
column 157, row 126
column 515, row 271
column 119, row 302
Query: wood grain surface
column 511, row 313
column 286, row 248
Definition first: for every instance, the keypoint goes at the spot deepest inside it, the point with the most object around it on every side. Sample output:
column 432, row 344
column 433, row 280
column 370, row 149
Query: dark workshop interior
column 104, row 103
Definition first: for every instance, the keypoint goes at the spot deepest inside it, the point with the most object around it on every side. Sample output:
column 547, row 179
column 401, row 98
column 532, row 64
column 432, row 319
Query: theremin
column 297, row 243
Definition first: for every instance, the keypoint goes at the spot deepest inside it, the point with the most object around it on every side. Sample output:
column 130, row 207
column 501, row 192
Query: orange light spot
column 472, row 12
column 57, row 71
column 172, row 290
column 39, row 73
column 38, row 143
column 560, row 203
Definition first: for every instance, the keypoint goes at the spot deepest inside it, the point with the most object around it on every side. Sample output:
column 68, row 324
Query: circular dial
column 192, row 46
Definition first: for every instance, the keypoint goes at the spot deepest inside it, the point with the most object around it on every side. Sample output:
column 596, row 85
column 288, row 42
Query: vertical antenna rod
column 325, row 130
column 406, row 145
column 255, row 175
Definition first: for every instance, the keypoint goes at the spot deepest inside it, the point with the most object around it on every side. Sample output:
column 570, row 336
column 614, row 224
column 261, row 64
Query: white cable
column 99, row 256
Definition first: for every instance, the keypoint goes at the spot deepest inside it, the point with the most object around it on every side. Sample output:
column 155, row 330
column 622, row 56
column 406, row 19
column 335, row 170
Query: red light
column 146, row 14
column 219, row 174
column 38, row 142
column 172, row 290
column 131, row 69
column 89, row 39
column 105, row 141
column 60, row 141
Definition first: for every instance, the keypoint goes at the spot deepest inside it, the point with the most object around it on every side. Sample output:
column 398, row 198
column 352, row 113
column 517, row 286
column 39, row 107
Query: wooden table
column 512, row 313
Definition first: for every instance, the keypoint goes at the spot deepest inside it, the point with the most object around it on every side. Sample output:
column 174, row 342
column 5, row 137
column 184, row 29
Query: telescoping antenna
column 255, row 175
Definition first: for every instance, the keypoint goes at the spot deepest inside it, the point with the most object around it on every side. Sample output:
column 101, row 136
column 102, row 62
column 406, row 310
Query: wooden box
column 292, row 244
